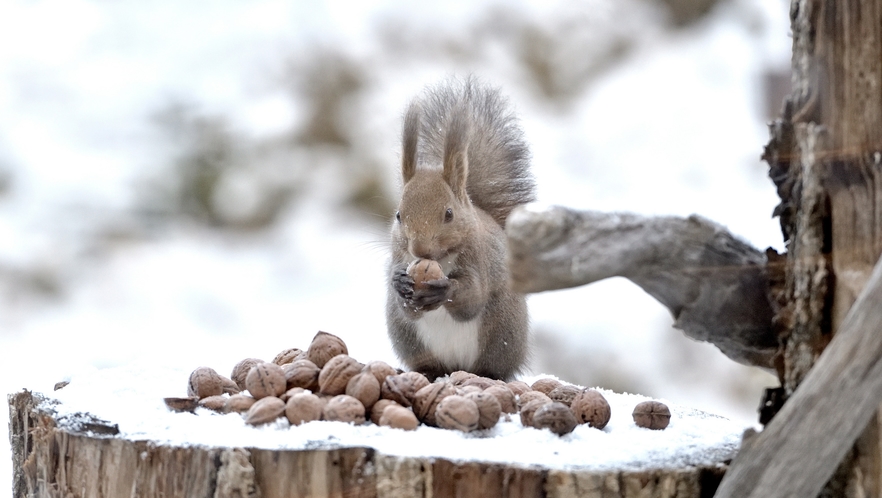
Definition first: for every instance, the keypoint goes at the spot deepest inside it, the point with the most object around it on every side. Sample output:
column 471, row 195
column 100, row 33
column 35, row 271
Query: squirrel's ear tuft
column 456, row 161
column 409, row 139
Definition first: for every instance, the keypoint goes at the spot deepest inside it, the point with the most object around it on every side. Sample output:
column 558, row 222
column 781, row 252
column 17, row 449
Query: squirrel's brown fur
column 465, row 166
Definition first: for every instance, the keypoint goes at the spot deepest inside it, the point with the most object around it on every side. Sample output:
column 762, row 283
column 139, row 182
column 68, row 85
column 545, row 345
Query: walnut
column 556, row 417
column 398, row 417
column 518, row 387
column 205, row 382
column 377, row 409
column 344, row 408
column 265, row 410
column 530, row 408
column 291, row 392
column 423, row 271
column 214, row 403
column 336, row 374
column 240, row 371
column 427, row 398
column 564, row 394
column 323, row 347
column 458, row 377
column 529, row 396
column 230, row 387
column 365, row 388
column 302, row 373
column 265, row 379
column 482, row 382
column 462, row 391
column 380, row 370
column 182, row 404
column 546, row 385
column 238, row 403
column 401, row 388
column 652, row 415
column 457, row 412
column 506, row 398
column 489, row 409
column 303, row 407
column 288, row 356
column 590, row 407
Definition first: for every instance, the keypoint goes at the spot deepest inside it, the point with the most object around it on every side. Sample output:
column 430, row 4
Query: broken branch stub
column 714, row 284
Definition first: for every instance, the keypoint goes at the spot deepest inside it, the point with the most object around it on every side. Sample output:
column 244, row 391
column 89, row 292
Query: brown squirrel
column 464, row 167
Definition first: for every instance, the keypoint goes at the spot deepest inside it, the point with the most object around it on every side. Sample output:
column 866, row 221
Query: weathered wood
column 824, row 157
column 51, row 460
column 478, row 479
column 808, row 275
column 714, row 284
column 340, row 472
column 799, row 450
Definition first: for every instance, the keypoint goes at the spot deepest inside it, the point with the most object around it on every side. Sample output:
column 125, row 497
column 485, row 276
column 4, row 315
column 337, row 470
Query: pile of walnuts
column 325, row 383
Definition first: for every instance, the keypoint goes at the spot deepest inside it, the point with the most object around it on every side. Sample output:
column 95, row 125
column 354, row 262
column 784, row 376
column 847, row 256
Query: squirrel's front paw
column 432, row 294
column 403, row 284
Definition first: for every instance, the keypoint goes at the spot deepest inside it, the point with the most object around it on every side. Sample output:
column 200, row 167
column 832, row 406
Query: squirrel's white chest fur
column 454, row 343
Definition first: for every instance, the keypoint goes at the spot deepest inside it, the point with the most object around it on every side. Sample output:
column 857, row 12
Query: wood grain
column 714, row 284
column 51, row 461
column 800, row 449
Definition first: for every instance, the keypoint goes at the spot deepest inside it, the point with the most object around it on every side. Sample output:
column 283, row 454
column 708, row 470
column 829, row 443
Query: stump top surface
column 131, row 397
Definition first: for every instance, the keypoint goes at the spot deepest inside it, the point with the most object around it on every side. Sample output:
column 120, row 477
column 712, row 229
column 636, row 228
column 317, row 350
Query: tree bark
column 87, row 459
column 714, row 285
column 800, row 449
column 825, row 157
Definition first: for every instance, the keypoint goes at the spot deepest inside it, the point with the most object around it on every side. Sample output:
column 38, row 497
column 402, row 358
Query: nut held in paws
column 424, row 270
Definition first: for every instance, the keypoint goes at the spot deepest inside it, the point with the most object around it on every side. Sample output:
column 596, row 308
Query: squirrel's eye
column 398, row 216
column 448, row 215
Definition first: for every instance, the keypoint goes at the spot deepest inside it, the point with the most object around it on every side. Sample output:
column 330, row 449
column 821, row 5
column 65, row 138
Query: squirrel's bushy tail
column 499, row 175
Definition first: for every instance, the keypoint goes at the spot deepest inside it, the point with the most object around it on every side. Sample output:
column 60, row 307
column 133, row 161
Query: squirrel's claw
column 403, row 284
column 434, row 295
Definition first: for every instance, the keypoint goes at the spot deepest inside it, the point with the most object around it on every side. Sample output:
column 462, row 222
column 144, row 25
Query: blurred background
column 193, row 183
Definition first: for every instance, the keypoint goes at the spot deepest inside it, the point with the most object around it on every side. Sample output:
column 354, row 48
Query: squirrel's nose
column 420, row 249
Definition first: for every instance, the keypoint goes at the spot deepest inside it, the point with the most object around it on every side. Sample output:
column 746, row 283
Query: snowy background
column 191, row 184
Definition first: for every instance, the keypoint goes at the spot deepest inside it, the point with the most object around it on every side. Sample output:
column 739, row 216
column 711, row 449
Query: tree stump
column 59, row 454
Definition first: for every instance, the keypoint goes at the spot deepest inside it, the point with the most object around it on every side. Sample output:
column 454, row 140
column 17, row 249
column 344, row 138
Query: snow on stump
column 109, row 433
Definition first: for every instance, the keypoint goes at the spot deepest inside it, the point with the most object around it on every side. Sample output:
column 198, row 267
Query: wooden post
column 800, row 449
column 825, row 157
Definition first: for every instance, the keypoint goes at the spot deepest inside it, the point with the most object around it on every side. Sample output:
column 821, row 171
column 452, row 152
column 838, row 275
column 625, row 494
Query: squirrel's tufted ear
column 456, row 161
column 410, row 138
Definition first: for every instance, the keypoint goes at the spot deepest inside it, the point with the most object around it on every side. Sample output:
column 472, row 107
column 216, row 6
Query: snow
column 679, row 113
column 132, row 397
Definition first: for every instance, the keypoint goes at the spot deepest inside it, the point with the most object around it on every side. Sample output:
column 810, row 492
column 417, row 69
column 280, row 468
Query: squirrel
column 465, row 166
